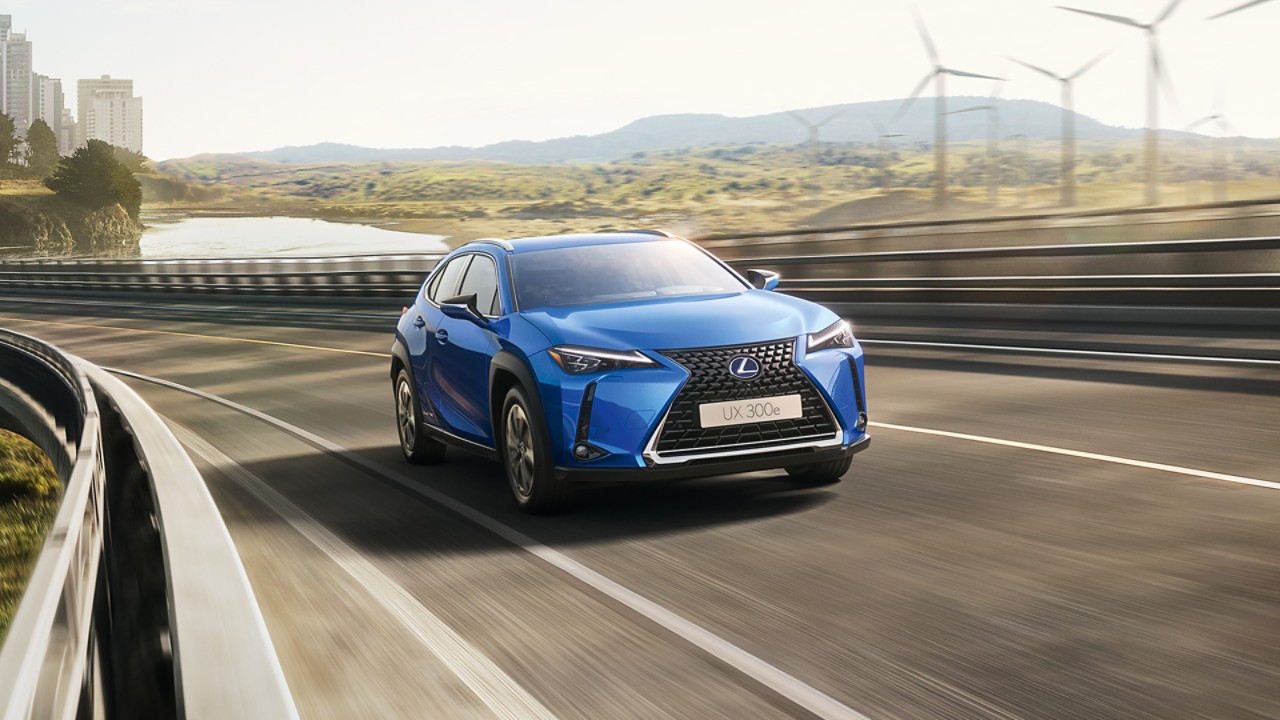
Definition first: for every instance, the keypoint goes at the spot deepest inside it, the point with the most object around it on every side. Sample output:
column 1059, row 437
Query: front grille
column 710, row 381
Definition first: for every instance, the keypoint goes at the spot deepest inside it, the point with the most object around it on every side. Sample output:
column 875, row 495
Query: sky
column 243, row 75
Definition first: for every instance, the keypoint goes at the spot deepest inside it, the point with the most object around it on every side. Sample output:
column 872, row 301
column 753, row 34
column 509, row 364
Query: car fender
column 512, row 363
column 400, row 352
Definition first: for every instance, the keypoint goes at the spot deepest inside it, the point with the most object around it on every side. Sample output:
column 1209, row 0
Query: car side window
column 445, row 285
column 482, row 279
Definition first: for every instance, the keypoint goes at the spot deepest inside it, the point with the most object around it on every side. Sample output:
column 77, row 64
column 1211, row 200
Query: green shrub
column 94, row 178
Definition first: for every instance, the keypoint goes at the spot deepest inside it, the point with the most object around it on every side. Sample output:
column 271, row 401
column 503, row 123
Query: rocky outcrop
column 50, row 226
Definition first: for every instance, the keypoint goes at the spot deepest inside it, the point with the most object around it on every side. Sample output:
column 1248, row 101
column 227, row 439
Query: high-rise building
column 86, row 94
column 15, row 74
column 47, row 101
column 67, row 133
column 115, row 117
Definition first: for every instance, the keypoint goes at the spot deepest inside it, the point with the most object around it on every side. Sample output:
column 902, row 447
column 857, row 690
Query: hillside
column 852, row 124
column 711, row 188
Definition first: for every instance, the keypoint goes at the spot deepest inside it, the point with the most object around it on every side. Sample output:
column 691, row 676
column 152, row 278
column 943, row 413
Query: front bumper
column 621, row 415
column 713, row 467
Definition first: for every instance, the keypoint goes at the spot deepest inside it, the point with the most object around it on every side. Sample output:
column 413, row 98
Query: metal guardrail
column 45, row 667
column 1241, row 272
column 138, row 606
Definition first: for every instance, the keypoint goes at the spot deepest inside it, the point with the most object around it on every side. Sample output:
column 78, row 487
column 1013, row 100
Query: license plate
column 744, row 412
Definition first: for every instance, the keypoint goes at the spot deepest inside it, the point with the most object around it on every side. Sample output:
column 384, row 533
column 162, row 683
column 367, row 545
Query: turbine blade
column 911, row 99
column 1036, row 68
column 1173, row 5
column 1165, row 84
column 1104, row 16
column 802, row 120
column 880, row 129
column 1200, row 122
column 961, row 73
column 1237, row 9
column 830, row 117
column 1088, row 66
column 924, row 36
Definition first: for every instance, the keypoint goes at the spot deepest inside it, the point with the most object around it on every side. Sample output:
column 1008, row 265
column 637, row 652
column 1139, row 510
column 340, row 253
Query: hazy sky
column 236, row 75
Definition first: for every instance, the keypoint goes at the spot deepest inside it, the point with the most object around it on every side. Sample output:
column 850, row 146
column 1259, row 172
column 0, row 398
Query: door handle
column 442, row 335
column 419, row 323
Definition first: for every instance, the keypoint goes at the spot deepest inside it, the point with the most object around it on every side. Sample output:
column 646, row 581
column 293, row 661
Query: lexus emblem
column 744, row 367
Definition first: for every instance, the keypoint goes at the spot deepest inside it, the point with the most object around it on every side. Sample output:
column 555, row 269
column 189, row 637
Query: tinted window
column 447, row 285
column 598, row 274
column 482, row 279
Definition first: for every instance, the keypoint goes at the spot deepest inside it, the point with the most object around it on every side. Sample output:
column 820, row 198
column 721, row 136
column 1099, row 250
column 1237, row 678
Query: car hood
column 671, row 323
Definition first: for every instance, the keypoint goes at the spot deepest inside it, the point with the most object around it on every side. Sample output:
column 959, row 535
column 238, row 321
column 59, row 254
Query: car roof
column 552, row 242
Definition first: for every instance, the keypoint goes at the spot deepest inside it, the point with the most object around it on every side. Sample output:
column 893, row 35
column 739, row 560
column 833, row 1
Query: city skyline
column 107, row 108
column 245, row 77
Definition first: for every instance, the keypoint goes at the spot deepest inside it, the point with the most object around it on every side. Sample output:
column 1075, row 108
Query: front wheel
column 819, row 474
column 526, row 457
column 418, row 447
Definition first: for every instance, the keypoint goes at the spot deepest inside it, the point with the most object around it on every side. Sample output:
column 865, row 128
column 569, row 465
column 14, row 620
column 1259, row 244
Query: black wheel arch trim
column 401, row 353
column 507, row 361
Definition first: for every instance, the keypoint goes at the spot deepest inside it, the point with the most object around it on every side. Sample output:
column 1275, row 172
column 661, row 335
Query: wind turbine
column 1155, row 76
column 993, row 148
column 1068, row 124
column 1237, row 9
column 939, row 76
column 884, row 136
column 1220, row 151
column 813, row 131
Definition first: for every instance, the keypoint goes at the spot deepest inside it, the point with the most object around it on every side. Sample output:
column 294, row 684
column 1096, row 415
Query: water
column 278, row 236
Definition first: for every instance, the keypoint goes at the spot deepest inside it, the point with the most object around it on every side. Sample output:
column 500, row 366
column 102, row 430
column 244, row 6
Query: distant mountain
column 660, row 132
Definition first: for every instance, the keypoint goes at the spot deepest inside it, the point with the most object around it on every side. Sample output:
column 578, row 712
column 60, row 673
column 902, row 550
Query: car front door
column 423, row 346
column 462, row 350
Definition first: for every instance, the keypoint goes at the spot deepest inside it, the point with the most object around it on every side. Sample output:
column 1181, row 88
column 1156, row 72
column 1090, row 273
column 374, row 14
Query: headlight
column 839, row 335
column 578, row 360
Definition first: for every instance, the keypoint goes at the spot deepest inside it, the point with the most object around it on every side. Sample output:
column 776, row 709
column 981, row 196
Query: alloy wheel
column 405, row 417
column 520, row 460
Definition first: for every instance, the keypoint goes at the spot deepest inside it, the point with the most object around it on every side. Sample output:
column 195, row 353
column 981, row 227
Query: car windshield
column 601, row 274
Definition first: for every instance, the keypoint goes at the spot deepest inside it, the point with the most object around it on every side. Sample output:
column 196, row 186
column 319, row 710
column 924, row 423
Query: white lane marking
column 781, row 682
column 503, row 695
column 1089, row 353
column 1191, row 472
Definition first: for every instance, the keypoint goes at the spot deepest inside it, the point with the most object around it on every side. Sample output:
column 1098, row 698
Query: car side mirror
column 763, row 279
column 463, row 307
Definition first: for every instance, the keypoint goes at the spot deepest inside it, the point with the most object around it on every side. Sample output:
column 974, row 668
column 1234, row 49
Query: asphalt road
column 947, row 576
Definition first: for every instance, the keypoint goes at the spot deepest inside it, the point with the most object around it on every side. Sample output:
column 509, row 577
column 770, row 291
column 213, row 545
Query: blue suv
column 622, row 357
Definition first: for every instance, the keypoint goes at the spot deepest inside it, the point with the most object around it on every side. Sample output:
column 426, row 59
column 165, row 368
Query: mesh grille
column 710, row 381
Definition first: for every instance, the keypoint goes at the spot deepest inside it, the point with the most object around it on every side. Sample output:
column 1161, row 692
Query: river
column 205, row 237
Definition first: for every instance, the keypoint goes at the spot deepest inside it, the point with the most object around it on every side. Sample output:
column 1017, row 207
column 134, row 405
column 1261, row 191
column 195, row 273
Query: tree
column 135, row 161
column 42, row 149
column 94, row 178
column 8, row 143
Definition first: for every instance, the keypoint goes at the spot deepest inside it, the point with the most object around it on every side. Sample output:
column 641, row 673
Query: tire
column 820, row 474
column 418, row 447
column 526, row 458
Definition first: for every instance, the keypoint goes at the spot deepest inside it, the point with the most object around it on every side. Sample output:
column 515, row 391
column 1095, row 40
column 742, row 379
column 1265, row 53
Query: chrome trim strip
column 738, row 450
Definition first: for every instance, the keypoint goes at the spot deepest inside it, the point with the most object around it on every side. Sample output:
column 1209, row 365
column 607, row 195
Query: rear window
column 445, row 285
column 604, row 274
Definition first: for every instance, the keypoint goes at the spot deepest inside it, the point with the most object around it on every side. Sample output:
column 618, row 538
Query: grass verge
column 29, row 499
